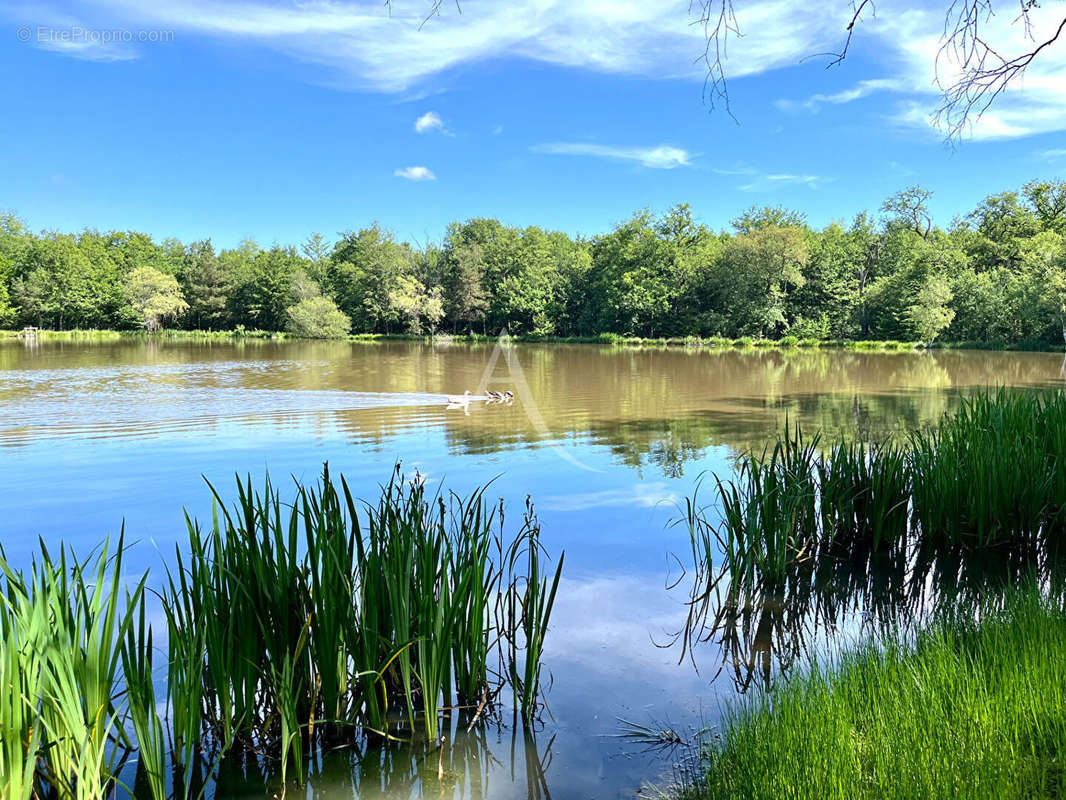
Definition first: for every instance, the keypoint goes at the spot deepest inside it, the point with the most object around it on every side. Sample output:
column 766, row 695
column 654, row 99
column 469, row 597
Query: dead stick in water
column 480, row 708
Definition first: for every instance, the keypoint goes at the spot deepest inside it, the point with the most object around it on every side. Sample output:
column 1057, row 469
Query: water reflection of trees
column 653, row 408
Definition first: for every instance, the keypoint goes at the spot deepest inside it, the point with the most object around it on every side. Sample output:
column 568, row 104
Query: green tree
column 154, row 297
column 264, row 285
column 365, row 273
column 206, row 287
column 769, row 261
column 930, row 313
column 418, row 308
column 909, row 209
column 465, row 299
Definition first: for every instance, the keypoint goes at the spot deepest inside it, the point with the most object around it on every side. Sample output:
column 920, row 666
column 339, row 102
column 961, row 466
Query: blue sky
column 273, row 120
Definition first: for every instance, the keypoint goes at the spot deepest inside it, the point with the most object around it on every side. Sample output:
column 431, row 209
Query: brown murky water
column 606, row 440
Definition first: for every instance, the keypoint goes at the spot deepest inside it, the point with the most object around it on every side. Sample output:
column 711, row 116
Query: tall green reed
column 986, row 486
column 306, row 621
column 70, row 631
column 290, row 627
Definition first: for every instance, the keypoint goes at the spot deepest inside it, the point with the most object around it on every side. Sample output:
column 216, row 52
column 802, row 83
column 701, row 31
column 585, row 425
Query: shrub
column 318, row 318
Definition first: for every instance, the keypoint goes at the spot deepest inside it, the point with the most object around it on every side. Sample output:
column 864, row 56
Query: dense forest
column 997, row 275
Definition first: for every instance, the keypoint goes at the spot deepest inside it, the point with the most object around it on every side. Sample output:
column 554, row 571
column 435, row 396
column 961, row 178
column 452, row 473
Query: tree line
column 997, row 274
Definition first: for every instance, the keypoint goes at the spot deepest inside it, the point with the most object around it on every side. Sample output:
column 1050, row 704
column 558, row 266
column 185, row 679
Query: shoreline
column 617, row 340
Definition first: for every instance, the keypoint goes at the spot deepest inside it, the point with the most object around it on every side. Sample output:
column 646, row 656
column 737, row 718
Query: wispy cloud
column 415, row 174
column 430, row 121
column 371, row 48
column 860, row 90
column 1034, row 104
column 658, row 157
column 1052, row 155
column 762, row 181
column 358, row 44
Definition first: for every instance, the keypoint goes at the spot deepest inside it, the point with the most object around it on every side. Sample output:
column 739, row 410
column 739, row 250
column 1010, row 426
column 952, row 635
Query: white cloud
column 760, row 181
column 91, row 50
column 659, row 157
column 372, row 49
column 860, row 90
column 360, row 46
column 773, row 180
column 1034, row 104
column 1052, row 155
column 415, row 174
column 429, row 121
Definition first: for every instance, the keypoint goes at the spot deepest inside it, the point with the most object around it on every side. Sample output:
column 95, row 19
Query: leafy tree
column 909, row 209
column 772, row 261
column 206, row 286
column 365, row 273
column 1048, row 201
column 154, row 296
column 465, row 299
column 35, row 295
column 418, row 307
column 930, row 312
column 264, row 289
column 318, row 318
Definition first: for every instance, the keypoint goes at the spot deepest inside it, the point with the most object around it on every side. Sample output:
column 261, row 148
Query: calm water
column 606, row 440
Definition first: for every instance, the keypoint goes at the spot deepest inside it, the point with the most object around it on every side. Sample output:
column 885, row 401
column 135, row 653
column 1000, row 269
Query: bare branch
column 434, row 10
column 855, row 18
column 718, row 22
column 984, row 72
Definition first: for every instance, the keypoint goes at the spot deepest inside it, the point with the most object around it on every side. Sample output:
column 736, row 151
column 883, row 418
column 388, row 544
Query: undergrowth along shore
column 973, row 705
column 786, row 342
column 952, row 520
column 292, row 629
column 748, row 342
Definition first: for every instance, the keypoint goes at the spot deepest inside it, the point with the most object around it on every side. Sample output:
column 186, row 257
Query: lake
column 607, row 441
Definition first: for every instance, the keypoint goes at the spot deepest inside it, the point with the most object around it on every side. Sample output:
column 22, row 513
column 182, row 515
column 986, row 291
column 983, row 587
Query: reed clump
column 292, row 627
column 76, row 698
column 992, row 475
column 896, row 527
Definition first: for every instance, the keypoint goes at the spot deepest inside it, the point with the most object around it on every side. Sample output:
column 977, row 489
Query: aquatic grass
column 315, row 619
column 968, row 706
column 64, row 703
column 529, row 600
column 977, row 500
column 291, row 627
column 22, row 623
column 990, row 475
column 80, row 662
column 139, row 680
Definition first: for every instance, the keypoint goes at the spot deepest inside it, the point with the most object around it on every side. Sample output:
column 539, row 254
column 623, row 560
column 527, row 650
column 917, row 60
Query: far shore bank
column 755, row 343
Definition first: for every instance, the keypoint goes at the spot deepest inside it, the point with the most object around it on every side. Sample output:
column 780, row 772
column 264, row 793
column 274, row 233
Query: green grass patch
column 973, row 706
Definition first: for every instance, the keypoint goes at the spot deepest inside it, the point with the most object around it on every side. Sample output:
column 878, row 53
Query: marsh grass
column 295, row 626
column 970, row 706
column 292, row 628
column 70, row 629
column 990, row 477
column 803, row 533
